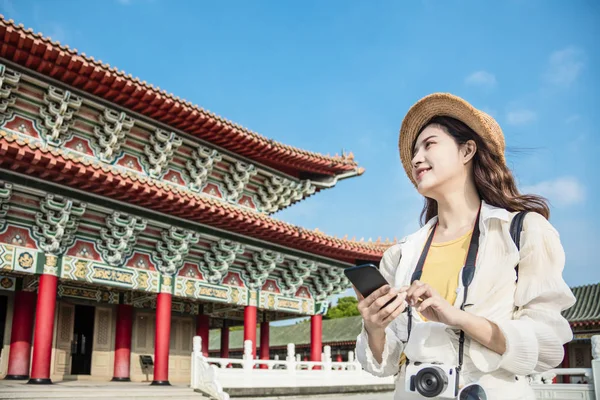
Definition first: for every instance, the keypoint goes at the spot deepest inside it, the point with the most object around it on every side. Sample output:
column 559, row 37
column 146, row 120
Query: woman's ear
column 469, row 149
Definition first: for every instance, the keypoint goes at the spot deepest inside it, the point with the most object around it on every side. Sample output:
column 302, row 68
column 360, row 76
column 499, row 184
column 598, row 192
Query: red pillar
column 123, row 343
column 20, row 336
column 316, row 322
column 202, row 328
column 264, row 342
column 250, row 326
column 44, row 329
column 225, row 339
column 162, row 339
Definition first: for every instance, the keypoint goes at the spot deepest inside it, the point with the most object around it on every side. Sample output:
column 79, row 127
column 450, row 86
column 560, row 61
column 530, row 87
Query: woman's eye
column 428, row 144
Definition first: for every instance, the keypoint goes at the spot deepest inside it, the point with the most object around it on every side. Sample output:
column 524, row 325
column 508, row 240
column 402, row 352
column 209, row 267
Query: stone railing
column 294, row 373
column 587, row 388
column 247, row 372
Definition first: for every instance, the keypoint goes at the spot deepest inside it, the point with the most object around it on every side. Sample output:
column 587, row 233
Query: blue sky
column 333, row 75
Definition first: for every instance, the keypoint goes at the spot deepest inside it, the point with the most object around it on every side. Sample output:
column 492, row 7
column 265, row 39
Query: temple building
column 132, row 220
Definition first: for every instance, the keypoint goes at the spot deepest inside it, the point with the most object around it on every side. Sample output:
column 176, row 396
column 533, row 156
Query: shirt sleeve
column 394, row 332
column 536, row 334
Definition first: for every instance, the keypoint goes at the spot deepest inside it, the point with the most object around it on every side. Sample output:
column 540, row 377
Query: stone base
column 160, row 383
column 40, row 381
column 16, row 377
column 118, row 379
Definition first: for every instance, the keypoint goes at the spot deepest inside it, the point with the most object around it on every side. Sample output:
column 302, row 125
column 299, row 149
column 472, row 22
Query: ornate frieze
column 118, row 238
column 201, row 165
column 238, row 177
column 323, row 284
column 9, row 81
column 160, row 152
column 296, row 274
column 5, row 194
column 56, row 223
column 218, row 260
column 58, row 113
column 278, row 193
column 111, row 135
column 257, row 271
column 173, row 248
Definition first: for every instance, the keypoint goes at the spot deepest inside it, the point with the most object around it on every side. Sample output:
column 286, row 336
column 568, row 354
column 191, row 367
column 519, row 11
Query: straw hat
column 447, row 105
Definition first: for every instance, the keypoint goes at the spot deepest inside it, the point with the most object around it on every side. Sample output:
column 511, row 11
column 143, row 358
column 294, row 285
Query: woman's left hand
column 432, row 306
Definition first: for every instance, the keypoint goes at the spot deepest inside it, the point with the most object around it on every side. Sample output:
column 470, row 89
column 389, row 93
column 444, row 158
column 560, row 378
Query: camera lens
column 431, row 381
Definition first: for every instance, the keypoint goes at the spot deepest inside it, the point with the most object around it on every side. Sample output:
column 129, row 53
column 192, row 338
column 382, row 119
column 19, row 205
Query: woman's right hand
column 375, row 318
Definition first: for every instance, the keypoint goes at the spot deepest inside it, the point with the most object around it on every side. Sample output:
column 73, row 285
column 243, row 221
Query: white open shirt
column 528, row 312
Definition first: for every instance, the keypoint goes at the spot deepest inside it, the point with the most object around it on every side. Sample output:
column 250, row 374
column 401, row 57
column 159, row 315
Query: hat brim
column 447, row 105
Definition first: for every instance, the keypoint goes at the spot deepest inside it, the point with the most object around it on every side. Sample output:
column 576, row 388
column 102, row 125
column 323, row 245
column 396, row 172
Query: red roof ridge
column 252, row 216
column 334, row 164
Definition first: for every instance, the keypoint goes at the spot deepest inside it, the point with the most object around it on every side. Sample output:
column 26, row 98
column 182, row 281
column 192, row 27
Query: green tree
column 346, row 307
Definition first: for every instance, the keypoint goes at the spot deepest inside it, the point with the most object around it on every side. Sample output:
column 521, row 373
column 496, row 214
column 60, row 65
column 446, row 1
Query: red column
column 225, row 339
column 264, row 342
column 202, row 329
column 316, row 322
column 123, row 343
column 20, row 336
column 44, row 328
column 250, row 326
column 162, row 339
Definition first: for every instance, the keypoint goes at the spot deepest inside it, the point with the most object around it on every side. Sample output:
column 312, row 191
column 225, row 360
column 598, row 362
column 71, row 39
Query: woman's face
column 438, row 162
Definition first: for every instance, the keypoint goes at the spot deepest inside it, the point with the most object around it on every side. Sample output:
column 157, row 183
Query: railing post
column 290, row 358
column 196, row 351
column 596, row 364
column 327, row 358
column 248, row 359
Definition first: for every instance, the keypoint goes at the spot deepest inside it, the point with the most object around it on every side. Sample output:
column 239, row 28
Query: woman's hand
column 376, row 318
column 432, row 306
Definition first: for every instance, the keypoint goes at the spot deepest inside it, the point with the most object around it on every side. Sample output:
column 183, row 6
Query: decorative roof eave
column 41, row 54
column 21, row 155
column 586, row 310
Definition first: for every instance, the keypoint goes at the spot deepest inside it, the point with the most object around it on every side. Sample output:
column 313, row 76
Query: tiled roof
column 53, row 164
column 587, row 307
column 50, row 58
column 337, row 330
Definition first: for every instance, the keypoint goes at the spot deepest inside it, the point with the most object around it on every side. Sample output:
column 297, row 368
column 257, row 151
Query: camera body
column 431, row 380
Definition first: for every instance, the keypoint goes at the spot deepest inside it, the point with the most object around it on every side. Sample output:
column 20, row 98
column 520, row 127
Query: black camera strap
column 467, row 277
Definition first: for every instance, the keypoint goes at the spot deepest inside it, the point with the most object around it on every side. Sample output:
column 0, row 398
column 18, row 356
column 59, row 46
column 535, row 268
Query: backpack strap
column 516, row 226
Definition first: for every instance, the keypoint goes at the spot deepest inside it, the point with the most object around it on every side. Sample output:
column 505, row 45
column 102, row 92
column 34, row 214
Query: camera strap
column 467, row 277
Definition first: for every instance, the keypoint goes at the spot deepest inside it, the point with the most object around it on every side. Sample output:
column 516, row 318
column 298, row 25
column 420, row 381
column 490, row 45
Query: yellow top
column 443, row 264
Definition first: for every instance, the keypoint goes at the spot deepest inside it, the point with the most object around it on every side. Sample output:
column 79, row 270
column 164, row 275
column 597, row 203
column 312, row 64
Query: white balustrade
column 293, row 372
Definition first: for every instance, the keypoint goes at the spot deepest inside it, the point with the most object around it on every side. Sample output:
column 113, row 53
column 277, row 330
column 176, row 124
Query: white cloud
column 561, row 192
column 521, row 117
column 481, row 78
column 565, row 66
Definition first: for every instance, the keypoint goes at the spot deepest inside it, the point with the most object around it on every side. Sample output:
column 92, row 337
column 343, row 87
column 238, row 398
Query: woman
column 510, row 319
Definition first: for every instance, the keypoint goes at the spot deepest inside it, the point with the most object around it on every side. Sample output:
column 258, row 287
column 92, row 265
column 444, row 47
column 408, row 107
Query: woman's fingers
column 426, row 303
column 384, row 313
column 395, row 313
column 376, row 295
column 421, row 292
column 378, row 304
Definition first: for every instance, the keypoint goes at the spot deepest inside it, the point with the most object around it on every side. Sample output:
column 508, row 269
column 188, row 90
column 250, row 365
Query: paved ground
column 360, row 396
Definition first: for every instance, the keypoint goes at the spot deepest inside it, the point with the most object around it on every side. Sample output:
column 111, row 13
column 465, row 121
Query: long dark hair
column 493, row 180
